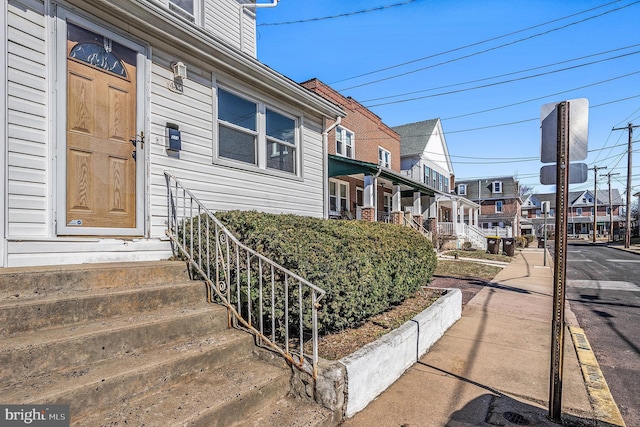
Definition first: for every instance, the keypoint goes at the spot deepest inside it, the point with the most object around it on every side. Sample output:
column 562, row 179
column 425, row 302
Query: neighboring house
column 499, row 200
column 580, row 218
column 364, row 166
column 95, row 90
column 425, row 158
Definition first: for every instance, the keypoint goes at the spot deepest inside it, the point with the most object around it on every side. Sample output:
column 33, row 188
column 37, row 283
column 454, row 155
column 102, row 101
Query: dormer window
column 187, row 9
column 462, row 189
column 344, row 142
column 496, row 187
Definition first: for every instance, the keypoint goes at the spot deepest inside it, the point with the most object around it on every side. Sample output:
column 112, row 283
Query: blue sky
column 484, row 67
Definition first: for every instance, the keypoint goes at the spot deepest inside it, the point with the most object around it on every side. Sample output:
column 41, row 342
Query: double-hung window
column 344, row 142
column 499, row 206
column 281, row 142
column 237, row 128
column 254, row 134
column 462, row 189
column 496, row 187
column 427, row 175
column 338, row 197
column 384, row 158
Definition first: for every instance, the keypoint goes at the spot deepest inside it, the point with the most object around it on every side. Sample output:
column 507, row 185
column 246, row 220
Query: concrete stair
column 136, row 344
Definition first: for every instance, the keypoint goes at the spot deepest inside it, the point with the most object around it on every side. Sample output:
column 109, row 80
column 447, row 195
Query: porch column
column 396, row 208
column 417, row 208
column 475, row 217
column 368, row 200
column 454, row 215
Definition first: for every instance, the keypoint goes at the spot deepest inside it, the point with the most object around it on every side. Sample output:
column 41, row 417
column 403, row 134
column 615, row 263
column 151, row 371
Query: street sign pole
column 560, row 262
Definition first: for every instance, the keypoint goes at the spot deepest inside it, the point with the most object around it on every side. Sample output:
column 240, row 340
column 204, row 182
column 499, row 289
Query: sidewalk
column 492, row 367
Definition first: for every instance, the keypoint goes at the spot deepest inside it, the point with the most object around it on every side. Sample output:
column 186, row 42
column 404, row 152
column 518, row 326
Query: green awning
column 342, row 166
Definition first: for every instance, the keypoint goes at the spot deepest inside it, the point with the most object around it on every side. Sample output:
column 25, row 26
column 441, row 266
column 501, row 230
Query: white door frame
column 60, row 124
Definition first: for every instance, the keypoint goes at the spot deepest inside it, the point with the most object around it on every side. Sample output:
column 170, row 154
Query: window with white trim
column 462, row 189
column 281, row 142
column 384, row 158
column 338, row 196
column 252, row 133
column 344, row 142
column 579, row 211
column 496, row 187
column 499, row 206
column 237, row 128
column 187, row 9
column 427, row 175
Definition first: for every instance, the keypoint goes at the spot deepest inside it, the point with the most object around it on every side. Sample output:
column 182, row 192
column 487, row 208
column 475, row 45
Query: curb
column 604, row 406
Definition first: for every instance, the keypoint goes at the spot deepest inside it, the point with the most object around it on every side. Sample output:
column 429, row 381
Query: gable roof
column 414, row 136
column 481, row 189
column 575, row 198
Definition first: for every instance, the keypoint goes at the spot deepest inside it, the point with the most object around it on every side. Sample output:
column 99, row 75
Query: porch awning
column 342, row 166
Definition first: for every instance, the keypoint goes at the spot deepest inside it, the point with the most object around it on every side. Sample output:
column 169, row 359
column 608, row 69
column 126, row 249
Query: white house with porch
column 425, row 158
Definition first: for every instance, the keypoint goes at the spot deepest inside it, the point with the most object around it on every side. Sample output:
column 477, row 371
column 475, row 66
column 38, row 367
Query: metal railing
column 276, row 305
column 409, row 221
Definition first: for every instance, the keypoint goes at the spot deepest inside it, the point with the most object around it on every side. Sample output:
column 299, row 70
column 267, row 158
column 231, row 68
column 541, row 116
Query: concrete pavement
column 492, row 367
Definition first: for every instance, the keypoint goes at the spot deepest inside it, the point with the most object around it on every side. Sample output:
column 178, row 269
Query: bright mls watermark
column 34, row 415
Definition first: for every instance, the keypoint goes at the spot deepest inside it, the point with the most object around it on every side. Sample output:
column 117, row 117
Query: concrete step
column 214, row 399
column 48, row 281
column 45, row 351
column 105, row 385
column 289, row 412
column 88, row 305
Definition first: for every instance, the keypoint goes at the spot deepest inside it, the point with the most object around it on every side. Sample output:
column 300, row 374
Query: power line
column 342, row 15
column 472, row 44
column 500, row 75
column 489, row 49
column 504, row 81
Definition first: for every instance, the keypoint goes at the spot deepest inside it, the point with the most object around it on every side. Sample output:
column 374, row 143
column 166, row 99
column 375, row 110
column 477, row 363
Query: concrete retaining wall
column 374, row 367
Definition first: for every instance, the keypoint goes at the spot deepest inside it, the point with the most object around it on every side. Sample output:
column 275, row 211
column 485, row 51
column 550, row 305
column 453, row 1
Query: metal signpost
column 559, row 134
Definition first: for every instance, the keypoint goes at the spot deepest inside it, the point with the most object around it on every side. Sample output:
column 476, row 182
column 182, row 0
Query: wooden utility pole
column 595, row 199
column 627, row 237
column 609, row 175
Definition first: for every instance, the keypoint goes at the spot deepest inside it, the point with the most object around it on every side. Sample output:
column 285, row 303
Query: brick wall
column 368, row 129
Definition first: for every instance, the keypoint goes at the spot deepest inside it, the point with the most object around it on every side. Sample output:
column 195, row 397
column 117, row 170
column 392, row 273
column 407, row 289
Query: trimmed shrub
column 364, row 267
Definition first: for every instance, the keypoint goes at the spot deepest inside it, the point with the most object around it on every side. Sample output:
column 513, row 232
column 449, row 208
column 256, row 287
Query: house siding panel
column 221, row 18
column 27, row 153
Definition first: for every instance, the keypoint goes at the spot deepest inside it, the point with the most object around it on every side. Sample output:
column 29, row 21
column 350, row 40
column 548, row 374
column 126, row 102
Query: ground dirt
column 339, row 345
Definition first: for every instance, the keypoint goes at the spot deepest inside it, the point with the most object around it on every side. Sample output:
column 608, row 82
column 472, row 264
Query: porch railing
column 276, row 305
column 446, row 229
column 409, row 221
column 475, row 236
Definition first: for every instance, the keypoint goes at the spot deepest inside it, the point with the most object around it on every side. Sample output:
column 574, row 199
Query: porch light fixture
column 179, row 70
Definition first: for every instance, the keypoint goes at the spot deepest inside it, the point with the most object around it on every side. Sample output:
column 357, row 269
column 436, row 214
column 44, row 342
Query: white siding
column 27, row 114
column 221, row 187
column 222, row 19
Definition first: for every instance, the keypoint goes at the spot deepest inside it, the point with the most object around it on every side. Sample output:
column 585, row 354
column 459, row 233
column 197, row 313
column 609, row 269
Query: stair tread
column 47, row 387
column 186, row 403
column 24, row 340
column 288, row 412
column 61, row 295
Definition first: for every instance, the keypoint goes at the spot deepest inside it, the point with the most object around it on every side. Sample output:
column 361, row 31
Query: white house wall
column 30, row 235
column 222, row 15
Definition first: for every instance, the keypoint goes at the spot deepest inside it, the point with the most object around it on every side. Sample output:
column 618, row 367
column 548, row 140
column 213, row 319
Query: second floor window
column 185, row 8
column 384, row 158
column 578, row 211
column 344, row 142
column 499, row 206
column 462, row 189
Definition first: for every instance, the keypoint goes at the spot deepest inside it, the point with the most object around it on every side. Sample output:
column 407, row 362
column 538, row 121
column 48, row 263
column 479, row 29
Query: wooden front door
column 101, row 122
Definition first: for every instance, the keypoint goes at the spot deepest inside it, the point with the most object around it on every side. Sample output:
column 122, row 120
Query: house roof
column 412, row 136
column 481, row 189
column 575, row 198
column 343, row 166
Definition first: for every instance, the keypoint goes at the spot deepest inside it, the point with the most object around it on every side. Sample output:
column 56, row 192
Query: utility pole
column 627, row 237
column 609, row 175
column 595, row 199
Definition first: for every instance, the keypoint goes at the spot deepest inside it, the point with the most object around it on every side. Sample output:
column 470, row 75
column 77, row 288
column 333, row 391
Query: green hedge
column 364, row 267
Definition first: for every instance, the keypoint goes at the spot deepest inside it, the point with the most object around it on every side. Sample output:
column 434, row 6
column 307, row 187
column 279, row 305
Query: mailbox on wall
column 174, row 142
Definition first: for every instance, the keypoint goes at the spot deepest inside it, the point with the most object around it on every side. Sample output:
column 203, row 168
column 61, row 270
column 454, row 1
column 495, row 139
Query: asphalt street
column 603, row 289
